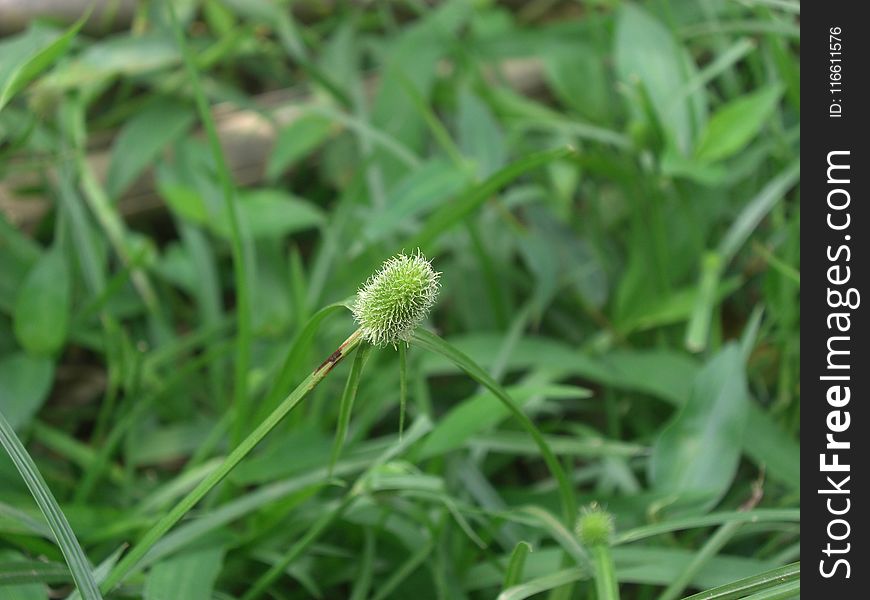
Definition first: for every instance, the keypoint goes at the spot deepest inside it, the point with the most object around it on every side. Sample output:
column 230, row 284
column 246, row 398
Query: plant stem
column 403, row 386
column 237, row 234
column 606, row 585
column 129, row 562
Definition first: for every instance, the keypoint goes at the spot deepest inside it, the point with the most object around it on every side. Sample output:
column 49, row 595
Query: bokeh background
column 608, row 188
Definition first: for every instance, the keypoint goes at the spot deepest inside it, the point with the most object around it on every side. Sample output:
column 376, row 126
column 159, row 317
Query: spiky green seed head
column 396, row 299
column 594, row 526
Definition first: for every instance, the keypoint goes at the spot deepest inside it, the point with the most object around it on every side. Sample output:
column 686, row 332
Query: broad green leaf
column 736, row 124
column 647, row 53
column 189, row 576
column 269, row 213
column 121, row 54
column 296, row 141
column 18, row 253
column 578, row 75
column 695, row 457
column 142, row 139
column 57, row 522
column 185, row 201
column 24, row 385
column 25, row 56
column 480, row 134
column 42, row 308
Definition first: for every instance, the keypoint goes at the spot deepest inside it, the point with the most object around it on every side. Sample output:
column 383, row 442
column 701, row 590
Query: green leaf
column 647, row 53
column 752, row 585
column 734, row 125
column 25, row 56
column 433, row 343
column 42, row 308
column 21, row 571
column 269, row 213
column 452, row 213
column 121, row 54
column 483, row 411
column 63, row 533
column 578, row 76
column 185, row 201
column 695, row 457
column 142, row 139
column 189, row 576
column 346, row 405
column 542, row 584
column 24, row 385
column 514, row 572
column 421, row 191
column 296, row 141
column 480, row 135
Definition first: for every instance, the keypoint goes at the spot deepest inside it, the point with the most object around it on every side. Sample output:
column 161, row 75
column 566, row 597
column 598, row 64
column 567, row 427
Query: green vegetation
column 189, row 205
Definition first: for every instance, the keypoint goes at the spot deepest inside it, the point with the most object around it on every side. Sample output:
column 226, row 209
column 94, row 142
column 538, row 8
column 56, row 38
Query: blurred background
column 609, row 189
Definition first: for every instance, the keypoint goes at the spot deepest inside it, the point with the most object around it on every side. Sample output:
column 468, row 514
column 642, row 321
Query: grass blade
column 543, row 584
column 514, row 573
column 452, row 213
column 749, row 587
column 433, row 343
column 72, row 552
column 19, row 572
column 157, row 531
column 347, row 398
column 761, row 515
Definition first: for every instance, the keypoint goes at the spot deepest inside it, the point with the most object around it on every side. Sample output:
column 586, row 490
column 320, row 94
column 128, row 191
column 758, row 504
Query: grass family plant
column 389, row 308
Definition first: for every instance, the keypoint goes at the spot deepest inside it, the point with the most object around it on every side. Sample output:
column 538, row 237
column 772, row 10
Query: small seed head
column 595, row 526
column 396, row 299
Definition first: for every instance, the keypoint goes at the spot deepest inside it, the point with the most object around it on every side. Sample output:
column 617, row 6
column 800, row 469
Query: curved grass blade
column 769, row 580
column 761, row 515
column 301, row 344
column 433, row 343
column 75, row 557
column 785, row 591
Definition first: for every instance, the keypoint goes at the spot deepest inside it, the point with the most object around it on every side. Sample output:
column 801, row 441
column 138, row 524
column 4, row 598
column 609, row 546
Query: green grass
column 617, row 227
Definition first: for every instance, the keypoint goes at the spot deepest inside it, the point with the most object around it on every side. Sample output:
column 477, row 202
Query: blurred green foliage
column 609, row 190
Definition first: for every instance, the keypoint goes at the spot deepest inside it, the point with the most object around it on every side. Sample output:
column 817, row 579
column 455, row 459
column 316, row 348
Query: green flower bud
column 396, row 299
column 595, row 526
